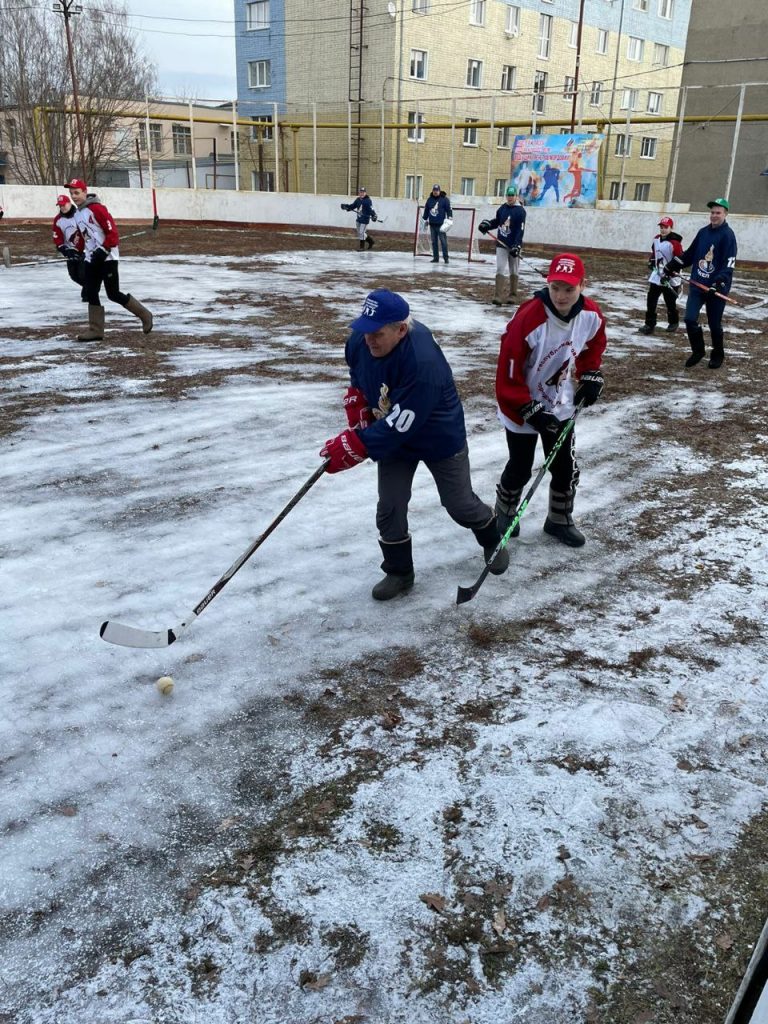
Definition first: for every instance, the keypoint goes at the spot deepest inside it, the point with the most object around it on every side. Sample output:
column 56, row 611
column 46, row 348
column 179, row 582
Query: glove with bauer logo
column 536, row 416
column 344, row 452
column 589, row 387
column 359, row 415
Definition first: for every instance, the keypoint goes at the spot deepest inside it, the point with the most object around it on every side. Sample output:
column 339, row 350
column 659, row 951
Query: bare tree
column 37, row 113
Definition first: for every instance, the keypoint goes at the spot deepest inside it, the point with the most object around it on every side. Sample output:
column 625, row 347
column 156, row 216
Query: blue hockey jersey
column 413, row 397
column 510, row 221
column 712, row 257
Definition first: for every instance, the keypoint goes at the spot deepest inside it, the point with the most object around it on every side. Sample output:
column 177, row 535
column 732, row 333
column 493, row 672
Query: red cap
column 666, row 222
column 63, row 201
column 77, row 183
column 566, row 267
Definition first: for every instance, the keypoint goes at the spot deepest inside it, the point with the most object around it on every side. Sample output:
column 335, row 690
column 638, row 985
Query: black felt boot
column 398, row 566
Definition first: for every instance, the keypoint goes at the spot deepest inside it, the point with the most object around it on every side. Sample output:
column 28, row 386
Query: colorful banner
column 556, row 170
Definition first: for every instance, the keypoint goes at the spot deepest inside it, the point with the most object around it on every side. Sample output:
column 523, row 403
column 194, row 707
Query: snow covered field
column 349, row 812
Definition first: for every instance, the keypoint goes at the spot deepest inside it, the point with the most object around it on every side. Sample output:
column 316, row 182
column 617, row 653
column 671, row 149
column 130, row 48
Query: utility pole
column 578, row 62
column 68, row 8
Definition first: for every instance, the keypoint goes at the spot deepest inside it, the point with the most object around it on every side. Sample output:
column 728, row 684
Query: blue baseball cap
column 381, row 307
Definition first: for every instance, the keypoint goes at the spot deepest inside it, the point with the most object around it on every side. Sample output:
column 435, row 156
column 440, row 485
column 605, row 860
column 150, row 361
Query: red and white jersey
column 540, row 356
column 95, row 224
column 65, row 231
column 662, row 251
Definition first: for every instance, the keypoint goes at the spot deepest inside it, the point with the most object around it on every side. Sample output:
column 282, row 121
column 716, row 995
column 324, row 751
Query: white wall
column 609, row 229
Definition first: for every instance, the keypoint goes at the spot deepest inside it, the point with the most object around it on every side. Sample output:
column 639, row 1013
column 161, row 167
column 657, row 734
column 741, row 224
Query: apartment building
column 460, row 81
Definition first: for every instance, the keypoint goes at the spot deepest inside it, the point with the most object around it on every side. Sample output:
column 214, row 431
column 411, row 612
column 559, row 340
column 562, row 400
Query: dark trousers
column 76, row 271
column 105, row 273
column 454, row 485
column 437, row 234
column 712, row 305
column 522, row 449
column 669, row 295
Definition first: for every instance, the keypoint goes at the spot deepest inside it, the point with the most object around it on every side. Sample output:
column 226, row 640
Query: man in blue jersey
column 403, row 408
column 711, row 257
column 363, row 207
column 510, row 224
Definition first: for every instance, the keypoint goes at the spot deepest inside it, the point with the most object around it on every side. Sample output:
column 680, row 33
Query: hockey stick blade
column 129, row 636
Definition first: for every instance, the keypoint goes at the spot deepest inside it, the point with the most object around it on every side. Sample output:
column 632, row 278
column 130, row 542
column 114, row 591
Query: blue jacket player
column 403, row 408
column 363, row 207
column 510, row 224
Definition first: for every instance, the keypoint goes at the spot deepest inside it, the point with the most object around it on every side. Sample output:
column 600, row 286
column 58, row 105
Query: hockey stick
column 464, row 594
column 129, row 636
column 689, row 281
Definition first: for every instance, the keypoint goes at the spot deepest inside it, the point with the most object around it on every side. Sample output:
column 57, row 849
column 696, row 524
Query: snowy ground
column 350, row 812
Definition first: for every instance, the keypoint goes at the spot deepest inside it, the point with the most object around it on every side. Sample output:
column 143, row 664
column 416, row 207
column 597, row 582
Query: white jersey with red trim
column 540, row 356
column 662, row 251
column 65, row 231
column 95, row 224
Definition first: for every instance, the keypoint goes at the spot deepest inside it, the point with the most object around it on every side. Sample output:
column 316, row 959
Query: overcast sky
column 192, row 42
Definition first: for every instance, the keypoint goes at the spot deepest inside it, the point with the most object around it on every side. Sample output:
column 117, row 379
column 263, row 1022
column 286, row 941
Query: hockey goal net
column 462, row 235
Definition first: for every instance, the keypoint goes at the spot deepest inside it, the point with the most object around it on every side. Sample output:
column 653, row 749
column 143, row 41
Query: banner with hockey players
column 556, row 170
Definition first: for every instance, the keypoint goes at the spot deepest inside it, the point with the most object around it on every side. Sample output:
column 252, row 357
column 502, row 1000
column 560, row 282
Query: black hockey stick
column 129, row 636
column 464, row 594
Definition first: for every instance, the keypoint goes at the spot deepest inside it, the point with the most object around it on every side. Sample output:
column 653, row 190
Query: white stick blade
column 129, row 636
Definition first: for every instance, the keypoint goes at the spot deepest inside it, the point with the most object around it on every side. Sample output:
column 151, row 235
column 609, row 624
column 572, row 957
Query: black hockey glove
column 543, row 422
column 651, row 263
column 374, row 216
column 719, row 286
column 99, row 255
column 674, row 266
column 484, row 227
column 346, row 206
column 514, row 250
column 69, row 252
column 588, row 388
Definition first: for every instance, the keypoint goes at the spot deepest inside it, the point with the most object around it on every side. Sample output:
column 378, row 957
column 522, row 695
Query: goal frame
column 468, row 242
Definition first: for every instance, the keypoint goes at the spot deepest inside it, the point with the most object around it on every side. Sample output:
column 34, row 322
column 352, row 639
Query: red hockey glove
column 344, row 452
column 359, row 415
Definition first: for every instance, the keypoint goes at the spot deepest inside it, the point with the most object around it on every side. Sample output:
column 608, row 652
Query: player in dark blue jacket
column 510, row 224
column 403, row 408
column 363, row 207
column 437, row 210
column 711, row 257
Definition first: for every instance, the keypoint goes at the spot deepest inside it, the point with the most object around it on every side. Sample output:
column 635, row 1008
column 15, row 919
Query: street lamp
column 68, row 8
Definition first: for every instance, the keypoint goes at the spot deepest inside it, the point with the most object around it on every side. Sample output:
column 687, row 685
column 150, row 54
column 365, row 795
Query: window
column 263, row 181
column 602, row 41
column 568, row 87
column 623, row 145
column 616, row 188
column 655, row 100
column 642, row 191
column 475, row 74
column 257, row 15
column 573, row 38
column 545, row 35
column 413, row 186
column 640, row 5
column 661, row 54
column 504, row 138
column 477, row 12
column 267, row 134
column 259, row 74
column 500, row 186
column 420, row 6
column 596, row 94
column 155, row 136
column 629, row 99
column 467, row 186
column 512, row 27
column 182, row 139
column 508, row 76
column 634, row 48
column 419, row 64
column 648, row 148
column 539, row 89
column 415, row 127
column 665, row 8
column 470, row 134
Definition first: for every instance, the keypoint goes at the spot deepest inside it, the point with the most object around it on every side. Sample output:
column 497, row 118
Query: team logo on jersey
column 384, row 403
column 706, row 266
column 559, row 375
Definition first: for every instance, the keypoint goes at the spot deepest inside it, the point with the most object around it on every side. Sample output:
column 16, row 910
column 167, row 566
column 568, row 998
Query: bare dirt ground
column 684, row 975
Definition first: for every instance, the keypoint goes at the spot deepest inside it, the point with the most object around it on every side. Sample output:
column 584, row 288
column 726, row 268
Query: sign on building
column 556, row 170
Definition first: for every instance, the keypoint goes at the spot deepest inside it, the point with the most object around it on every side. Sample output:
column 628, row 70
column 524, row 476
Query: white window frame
column 573, row 38
column 665, row 9
column 420, row 6
column 268, row 133
column 618, row 190
column 504, row 138
column 601, row 46
column 640, row 5
column 622, row 145
column 181, row 136
column 414, row 182
column 569, row 87
column 255, row 181
column 648, row 147
column 540, row 81
column 596, row 94
column 477, row 12
column 642, row 187
column 629, row 99
column 419, row 61
column 254, row 23
column 661, row 54
column 155, row 136
column 500, row 187
column 655, row 102
column 508, row 77
column 546, row 22
column 416, row 131
column 512, row 26
column 259, row 74
column 635, row 48
column 474, row 73
column 467, row 187
column 470, row 132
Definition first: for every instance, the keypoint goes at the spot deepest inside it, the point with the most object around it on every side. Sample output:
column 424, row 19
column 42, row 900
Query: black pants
column 670, row 301
column 438, row 236
column 105, row 273
column 76, row 271
column 522, row 449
